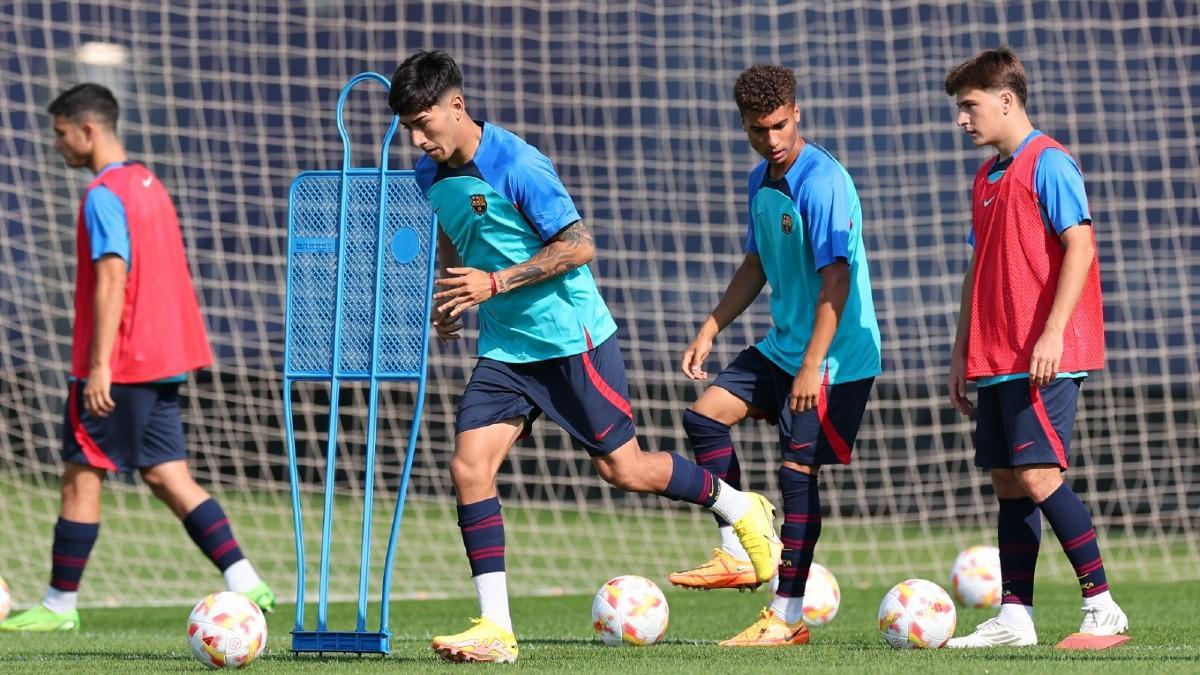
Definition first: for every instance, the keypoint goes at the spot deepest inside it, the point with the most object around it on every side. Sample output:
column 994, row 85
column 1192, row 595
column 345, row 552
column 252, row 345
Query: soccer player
column 138, row 332
column 512, row 243
column 1030, row 328
column 813, row 372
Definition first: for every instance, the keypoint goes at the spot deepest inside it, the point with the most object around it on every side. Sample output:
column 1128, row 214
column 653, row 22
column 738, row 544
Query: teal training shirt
column 799, row 224
column 499, row 210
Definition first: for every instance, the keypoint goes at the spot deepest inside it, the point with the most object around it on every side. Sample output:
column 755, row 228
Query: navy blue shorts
column 585, row 394
column 144, row 430
column 1018, row 424
column 822, row 435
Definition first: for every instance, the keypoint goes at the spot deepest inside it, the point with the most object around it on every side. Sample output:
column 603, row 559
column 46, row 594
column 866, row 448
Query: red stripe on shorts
column 840, row 447
column 95, row 456
column 1039, row 409
column 606, row 391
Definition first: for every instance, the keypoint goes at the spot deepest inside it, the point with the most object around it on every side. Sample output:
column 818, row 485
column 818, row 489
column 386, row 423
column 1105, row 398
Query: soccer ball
column 226, row 630
column 5, row 600
column 822, row 596
column 975, row 577
column 630, row 610
column 916, row 614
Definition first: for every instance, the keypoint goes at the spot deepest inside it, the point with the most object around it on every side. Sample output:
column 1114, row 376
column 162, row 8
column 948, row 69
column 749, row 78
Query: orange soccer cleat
column 722, row 571
column 770, row 631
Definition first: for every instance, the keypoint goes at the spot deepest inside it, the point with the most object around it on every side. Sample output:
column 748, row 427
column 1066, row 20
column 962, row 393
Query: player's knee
column 467, row 475
column 1006, row 485
column 619, row 473
column 1038, row 482
column 153, row 480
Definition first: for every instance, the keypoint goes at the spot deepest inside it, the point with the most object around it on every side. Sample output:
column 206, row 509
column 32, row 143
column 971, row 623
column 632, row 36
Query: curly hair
column 764, row 88
column 989, row 70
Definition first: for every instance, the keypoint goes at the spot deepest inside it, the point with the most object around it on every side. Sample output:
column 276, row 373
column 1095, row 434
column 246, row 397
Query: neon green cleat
column 263, row 596
column 756, row 531
column 38, row 619
column 485, row 641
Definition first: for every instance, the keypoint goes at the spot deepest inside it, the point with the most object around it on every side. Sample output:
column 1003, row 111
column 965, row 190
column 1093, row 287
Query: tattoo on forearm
column 557, row 257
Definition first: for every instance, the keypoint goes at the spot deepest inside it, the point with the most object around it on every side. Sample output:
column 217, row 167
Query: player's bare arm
column 447, row 327
column 568, row 249
column 958, row 357
column 109, row 305
column 1047, row 351
column 745, row 286
column 467, row 286
column 835, row 288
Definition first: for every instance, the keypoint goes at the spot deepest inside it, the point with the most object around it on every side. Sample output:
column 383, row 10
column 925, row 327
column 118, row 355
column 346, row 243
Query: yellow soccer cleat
column 484, row 642
column 756, row 532
column 770, row 631
column 723, row 571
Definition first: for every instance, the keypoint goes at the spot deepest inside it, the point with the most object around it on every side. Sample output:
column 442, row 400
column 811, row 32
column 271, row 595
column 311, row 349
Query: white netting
column 229, row 101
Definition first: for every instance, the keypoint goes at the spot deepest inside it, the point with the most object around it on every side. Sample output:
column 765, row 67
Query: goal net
column 227, row 102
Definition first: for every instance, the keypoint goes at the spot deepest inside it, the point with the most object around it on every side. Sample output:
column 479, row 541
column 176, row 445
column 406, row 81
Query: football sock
column 801, row 529
column 209, row 528
column 482, row 529
column 1072, row 524
column 790, row 610
column 492, row 589
column 712, row 447
column 1016, row 616
column 690, row 483
column 730, row 504
column 69, row 553
column 1019, row 535
column 1104, row 600
column 241, row 576
column 731, row 544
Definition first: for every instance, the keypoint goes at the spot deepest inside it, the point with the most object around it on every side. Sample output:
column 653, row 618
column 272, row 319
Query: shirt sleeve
column 750, row 245
column 539, row 194
column 1059, row 186
column 825, row 207
column 108, row 231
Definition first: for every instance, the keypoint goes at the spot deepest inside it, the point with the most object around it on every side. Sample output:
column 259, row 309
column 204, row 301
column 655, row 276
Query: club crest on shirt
column 478, row 204
column 786, row 223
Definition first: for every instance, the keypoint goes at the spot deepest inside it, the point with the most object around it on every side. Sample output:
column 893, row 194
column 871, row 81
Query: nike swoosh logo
column 1019, row 448
column 146, row 183
column 600, row 436
column 799, row 446
column 988, row 202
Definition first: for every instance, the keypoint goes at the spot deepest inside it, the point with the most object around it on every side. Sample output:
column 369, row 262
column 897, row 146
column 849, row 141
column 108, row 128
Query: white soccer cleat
column 994, row 633
column 1104, row 621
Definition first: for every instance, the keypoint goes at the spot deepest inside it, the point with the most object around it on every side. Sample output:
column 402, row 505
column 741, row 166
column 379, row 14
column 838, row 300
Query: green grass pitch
column 555, row 636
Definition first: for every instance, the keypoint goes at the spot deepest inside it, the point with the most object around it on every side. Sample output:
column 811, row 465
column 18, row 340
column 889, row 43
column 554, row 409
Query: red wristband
column 492, row 278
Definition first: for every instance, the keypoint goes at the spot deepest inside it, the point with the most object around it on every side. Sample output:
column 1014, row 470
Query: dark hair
column 422, row 80
column 990, row 70
column 764, row 88
column 86, row 99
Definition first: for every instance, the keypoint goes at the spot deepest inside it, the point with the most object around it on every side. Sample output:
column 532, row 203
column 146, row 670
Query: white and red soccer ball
column 226, row 630
column 5, row 600
column 822, row 596
column 917, row 614
column 975, row 577
column 630, row 610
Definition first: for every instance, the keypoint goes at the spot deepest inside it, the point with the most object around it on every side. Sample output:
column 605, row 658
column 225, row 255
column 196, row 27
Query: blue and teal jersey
column 1063, row 202
column 500, row 209
column 799, row 224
